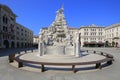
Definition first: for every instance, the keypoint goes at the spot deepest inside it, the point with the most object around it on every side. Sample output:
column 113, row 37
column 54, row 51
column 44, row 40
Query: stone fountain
column 57, row 40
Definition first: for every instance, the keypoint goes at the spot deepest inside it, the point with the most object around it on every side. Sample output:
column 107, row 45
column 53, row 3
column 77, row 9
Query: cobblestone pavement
column 8, row 72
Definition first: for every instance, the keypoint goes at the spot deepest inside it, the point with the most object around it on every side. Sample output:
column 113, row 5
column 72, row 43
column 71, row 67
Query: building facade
column 24, row 36
column 112, row 35
column 35, row 41
column 10, row 36
column 92, row 36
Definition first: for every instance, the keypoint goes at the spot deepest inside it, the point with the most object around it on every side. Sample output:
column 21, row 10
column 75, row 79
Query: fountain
column 57, row 40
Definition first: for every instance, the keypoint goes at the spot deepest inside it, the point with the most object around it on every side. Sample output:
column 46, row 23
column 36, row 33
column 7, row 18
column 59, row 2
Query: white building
column 12, row 34
column 112, row 34
column 36, row 39
column 92, row 36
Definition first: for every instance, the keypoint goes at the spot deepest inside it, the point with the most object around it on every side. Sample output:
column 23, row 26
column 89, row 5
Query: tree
column 113, row 43
column 106, row 44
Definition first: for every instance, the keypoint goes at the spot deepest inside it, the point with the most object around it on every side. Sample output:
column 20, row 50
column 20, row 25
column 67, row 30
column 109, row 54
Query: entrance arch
column 25, row 45
column 22, row 45
column 12, row 44
column 18, row 45
column 6, row 43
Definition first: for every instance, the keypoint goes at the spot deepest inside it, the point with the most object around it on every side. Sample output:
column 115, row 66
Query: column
column 40, row 48
column 77, row 43
column 77, row 49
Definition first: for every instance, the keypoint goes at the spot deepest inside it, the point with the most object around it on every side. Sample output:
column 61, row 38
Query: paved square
column 8, row 72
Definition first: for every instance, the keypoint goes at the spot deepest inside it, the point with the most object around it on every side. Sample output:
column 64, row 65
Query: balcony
column 7, row 33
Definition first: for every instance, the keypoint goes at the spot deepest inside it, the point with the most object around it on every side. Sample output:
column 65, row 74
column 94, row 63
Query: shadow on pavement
column 6, row 52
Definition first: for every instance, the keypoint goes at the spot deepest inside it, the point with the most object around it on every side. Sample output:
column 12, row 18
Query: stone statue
column 60, row 11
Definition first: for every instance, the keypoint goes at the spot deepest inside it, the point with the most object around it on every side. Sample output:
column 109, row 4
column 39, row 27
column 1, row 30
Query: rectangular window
column 91, row 29
column 117, row 34
column 21, row 29
column 84, row 38
column 84, row 33
column 22, row 34
column 3, row 28
column 18, row 28
column 91, row 34
column 117, row 29
column 95, row 33
column 87, row 29
column 84, row 29
column 17, row 38
column 91, row 39
column 12, row 18
column 112, row 35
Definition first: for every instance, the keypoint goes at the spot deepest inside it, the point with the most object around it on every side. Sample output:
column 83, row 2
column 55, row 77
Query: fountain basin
column 59, row 50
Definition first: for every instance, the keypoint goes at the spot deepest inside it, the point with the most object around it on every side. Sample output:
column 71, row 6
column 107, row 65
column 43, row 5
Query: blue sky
column 35, row 14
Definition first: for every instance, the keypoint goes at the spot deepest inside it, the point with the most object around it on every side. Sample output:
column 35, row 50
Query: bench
column 108, row 59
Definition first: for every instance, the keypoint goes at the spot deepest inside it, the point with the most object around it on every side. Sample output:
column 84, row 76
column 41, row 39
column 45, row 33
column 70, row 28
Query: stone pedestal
column 77, row 45
column 40, row 49
column 77, row 52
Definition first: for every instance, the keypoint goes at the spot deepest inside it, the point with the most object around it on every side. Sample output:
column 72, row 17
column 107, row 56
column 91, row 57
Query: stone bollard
column 101, row 53
column 94, row 52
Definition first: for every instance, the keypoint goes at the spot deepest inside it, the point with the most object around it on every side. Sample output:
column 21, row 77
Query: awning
column 100, row 43
column 93, row 42
column 116, row 38
column 86, row 42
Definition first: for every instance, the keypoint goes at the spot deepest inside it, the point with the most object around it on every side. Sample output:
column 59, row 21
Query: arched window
column 5, row 19
column 12, row 28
